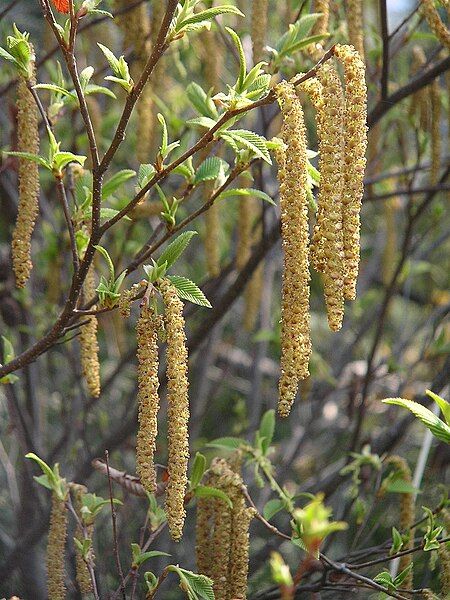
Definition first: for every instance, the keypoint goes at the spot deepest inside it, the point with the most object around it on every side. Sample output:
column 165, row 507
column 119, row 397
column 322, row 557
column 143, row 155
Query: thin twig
column 114, row 525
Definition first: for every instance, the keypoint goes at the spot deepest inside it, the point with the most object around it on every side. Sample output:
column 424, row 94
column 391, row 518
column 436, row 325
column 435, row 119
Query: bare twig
column 114, row 525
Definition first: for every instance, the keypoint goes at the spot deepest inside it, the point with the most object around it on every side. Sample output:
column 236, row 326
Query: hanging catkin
column 83, row 576
column 407, row 513
column 355, row 25
column 178, row 409
column 419, row 103
column 355, row 161
column 295, row 317
column 328, row 239
column 320, row 27
column 56, row 549
column 222, row 534
column 148, row 400
column 259, row 28
column 27, row 141
column 435, row 23
column 90, row 364
column 435, row 101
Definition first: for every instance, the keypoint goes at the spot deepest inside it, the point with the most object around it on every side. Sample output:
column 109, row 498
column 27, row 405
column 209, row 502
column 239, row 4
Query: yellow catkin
column 222, row 534
column 127, row 297
column 56, row 550
column 27, row 141
column 428, row 595
column 328, row 238
column 295, row 317
column 435, row 101
column 444, row 573
column 178, row 409
column 435, row 23
column 407, row 513
column 252, row 297
column 419, row 102
column 355, row 25
column 320, row 27
column 82, row 572
column 355, row 161
column 259, row 28
column 148, row 400
column 90, row 364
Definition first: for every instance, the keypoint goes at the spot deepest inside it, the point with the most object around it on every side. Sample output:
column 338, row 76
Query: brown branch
column 114, row 525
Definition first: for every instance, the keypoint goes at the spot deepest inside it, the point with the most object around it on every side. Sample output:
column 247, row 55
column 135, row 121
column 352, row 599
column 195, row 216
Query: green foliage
column 19, row 52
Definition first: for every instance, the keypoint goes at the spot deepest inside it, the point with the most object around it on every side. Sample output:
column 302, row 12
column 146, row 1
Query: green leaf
column 254, row 142
column 242, row 61
column 188, row 290
column 443, row 404
column 145, row 174
column 198, row 469
column 206, row 122
column 205, row 491
column 32, row 157
column 207, row 15
column 246, row 192
column 112, row 60
column 176, row 248
column 201, row 101
column 140, row 557
column 208, row 170
column 62, row 159
column 267, row 429
column 437, row 427
column 110, row 186
column 99, row 89
column 272, row 507
column 229, row 443
column 58, row 89
column 397, row 542
column 400, row 486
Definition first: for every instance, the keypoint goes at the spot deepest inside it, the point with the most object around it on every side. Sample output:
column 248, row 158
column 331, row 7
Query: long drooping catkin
column 90, row 364
column 407, row 512
column 419, row 104
column 320, row 27
column 178, row 409
column 355, row 161
column 56, row 550
column 435, row 101
column 327, row 239
column 355, row 25
column 222, row 534
column 259, row 28
column 295, row 318
column 83, row 577
column 435, row 23
column 148, row 400
column 27, row 141
column 252, row 296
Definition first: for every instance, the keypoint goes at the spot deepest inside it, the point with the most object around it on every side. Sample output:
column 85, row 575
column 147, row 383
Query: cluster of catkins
column 334, row 248
column 148, row 327
column 222, row 538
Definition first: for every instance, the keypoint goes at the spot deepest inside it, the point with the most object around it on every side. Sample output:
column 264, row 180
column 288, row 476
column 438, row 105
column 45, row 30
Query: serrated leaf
column 99, row 89
column 58, row 89
column 202, row 122
column 242, row 61
column 254, row 142
column 272, row 507
column 201, row 101
column 109, row 213
column 437, row 427
column 32, row 157
column 145, row 173
column 246, row 192
column 62, row 159
column 267, row 429
column 230, row 443
column 443, row 404
column 110, row 186
column 188, row 290
column 208, row 14
column 208, row 170
column 176, row 248
column 198, row 469
column 205, row 491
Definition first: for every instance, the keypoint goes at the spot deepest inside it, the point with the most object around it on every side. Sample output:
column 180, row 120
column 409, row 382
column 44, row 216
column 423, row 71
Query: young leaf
column 175, row 249
column 188, row 290
column 443, row 404
column 198, row 469
column 254, row 142
column 246, row 192
column 272, row 507
column 266, row 429
column 228, row 443
column 437, row 427
column 242, row 61
column 208, row 170
column 205, row 491
column 110, row 186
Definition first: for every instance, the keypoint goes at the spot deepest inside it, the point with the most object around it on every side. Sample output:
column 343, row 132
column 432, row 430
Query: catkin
column 252, row 297
column 178, row 409
column 27, row 141
column 435, row 101
column 355, row 25
column 222, row 543
column 148, row 400
column 355, row 161
column 435, row 23
column 320, row 27
column 407, row 513
column 428, row 595
column 90, row 364
column 259, row 28
column 328, row 237
column 295, row 317
column 56, row 550
column 419, row 103
column 82, row 572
